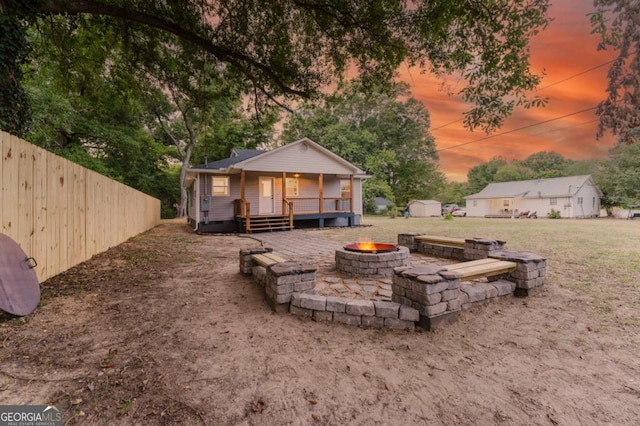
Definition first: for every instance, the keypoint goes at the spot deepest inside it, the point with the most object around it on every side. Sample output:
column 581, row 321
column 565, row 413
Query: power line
column 516, row 130
column 575, row 75
column 448, row 124
column 541, row 88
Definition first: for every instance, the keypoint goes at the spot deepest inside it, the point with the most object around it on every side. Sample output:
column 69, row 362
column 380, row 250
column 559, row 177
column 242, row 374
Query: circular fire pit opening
column 371, row 247
column 371, row 259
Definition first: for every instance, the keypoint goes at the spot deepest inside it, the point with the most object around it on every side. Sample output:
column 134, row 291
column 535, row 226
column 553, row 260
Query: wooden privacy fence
column 62, row 214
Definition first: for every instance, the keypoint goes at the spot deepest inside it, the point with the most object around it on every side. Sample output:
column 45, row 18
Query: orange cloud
column 566, row 53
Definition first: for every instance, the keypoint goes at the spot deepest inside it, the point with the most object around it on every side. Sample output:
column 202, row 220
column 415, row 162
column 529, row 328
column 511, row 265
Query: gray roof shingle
column 237, row 155
column 537, row 188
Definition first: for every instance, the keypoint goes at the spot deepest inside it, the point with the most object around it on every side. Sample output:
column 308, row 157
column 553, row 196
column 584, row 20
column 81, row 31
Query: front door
column 267, row 185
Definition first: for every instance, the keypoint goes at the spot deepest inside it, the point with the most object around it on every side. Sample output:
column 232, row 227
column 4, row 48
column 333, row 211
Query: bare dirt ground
column 164, row 330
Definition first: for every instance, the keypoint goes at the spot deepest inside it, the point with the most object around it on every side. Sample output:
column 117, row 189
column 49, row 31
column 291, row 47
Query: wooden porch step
column 267, row 223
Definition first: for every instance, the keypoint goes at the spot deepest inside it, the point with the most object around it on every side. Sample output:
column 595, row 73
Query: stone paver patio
column 301, row 246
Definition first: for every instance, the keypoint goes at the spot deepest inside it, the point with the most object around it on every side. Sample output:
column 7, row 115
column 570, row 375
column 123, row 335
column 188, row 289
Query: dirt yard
column 164, row 330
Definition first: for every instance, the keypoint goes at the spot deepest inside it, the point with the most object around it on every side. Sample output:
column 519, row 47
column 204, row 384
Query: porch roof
column 277, row 160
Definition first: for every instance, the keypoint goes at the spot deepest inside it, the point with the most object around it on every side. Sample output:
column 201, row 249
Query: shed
column 424, row 208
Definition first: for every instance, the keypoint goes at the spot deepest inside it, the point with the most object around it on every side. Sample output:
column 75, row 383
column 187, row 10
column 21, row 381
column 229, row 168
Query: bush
column 448, row 216
column 554, row 214
column 392, row 211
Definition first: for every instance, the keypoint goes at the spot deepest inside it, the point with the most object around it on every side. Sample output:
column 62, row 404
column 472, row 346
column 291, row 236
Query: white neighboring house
column 425, row 208
column 573, row 196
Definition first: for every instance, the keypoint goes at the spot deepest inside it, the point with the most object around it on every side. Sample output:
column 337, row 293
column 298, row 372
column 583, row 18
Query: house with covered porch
column 571, row 196
column 301, row 184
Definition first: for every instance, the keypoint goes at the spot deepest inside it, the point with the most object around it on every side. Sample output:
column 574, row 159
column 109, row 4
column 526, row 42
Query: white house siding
column 567, row 206
column 590, row 206
column 572, row 196
column 478, row 208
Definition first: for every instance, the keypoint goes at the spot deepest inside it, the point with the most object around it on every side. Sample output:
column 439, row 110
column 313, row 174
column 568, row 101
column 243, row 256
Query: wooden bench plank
column 275, row 257
column 488, row 269
column 435, row 239
column 463, row 265
column 266, row 259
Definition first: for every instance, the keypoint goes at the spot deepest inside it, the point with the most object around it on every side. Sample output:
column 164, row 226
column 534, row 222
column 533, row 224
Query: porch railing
column 302, row 205
column 318, row 205
column 287, row 210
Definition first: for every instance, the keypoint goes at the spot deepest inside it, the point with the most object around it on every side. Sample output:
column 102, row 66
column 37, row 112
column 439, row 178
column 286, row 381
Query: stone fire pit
column 374, row 260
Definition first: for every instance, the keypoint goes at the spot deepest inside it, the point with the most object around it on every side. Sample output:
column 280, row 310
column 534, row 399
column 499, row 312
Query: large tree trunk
column 182, row 207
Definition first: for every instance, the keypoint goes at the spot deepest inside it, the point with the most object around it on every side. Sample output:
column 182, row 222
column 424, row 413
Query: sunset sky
column 565, row 51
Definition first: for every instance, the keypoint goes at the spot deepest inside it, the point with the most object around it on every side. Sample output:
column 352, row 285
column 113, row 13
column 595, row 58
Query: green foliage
column 452, row 193
column 513, row 171
column 483, row 174
column 375, row 187
column 617, row 22
column 541, row 165
column 14, row 51
column 618, row 177
column 116, row 71
column 295, row 49
column 554, row 214
column 546, row 164
column 448, row 216
column 375, row 130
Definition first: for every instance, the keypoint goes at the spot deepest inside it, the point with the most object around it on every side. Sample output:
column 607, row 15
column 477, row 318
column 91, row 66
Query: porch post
column 320, row 193
column 351, row 192
column 284, row 191
column 242, row 199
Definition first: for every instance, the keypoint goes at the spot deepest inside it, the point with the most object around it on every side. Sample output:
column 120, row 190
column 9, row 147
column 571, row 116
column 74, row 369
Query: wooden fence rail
column 62, row 214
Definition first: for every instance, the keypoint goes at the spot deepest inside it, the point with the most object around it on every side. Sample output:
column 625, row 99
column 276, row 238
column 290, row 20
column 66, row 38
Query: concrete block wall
column 283, row 280
column 439, row 295
column 365, row 313
column 474, row 248
column 432, row 290
column 480, row 248
column 246, row 264
column 530, row 274
column 480, row 294
column 437, row 250
column 408, row 240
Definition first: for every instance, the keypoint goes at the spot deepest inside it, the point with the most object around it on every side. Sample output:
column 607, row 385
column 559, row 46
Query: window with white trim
column 291, row 185
column 345, row 188
column 220, row 186
column 580, row 200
